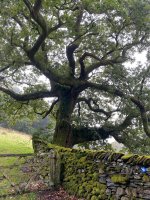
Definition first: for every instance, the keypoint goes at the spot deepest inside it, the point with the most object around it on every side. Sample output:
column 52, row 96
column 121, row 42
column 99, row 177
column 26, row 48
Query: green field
column 12, row 142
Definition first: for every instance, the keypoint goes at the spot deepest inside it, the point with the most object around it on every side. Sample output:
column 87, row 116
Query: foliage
column 21, row 117
column 44, row 134
column 12, row 111
column 137, row 143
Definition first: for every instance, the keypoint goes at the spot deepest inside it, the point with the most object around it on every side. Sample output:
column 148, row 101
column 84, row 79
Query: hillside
column 14, row 142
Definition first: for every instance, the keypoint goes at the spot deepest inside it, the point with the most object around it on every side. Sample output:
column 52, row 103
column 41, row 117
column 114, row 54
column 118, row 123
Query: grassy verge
column 12, row 142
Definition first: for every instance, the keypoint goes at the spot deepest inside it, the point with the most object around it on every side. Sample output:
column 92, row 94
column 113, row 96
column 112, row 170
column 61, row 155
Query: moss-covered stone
column 117, row 178
column 126, row 157
column 81, row 171
column 136, row 160
column 94, row 197
column 145, row 178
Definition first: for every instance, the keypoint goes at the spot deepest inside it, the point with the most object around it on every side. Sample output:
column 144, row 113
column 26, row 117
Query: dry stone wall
column 98, row 175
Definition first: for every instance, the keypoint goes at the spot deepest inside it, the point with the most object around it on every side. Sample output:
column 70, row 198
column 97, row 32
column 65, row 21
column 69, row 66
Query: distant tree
column 81, row 48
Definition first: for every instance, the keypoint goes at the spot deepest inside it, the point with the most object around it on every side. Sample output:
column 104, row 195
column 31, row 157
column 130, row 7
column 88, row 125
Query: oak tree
column 84, row 50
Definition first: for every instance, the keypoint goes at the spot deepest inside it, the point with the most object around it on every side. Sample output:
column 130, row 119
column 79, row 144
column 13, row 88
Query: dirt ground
column 59, row 194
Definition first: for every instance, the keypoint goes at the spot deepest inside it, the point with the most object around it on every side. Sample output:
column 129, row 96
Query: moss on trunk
column 63, row 130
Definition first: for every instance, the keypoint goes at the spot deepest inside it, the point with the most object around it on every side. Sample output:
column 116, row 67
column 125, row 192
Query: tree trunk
column 63, row 129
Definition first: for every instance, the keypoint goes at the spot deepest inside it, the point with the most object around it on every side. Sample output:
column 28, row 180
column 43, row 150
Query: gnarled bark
column 63, row 130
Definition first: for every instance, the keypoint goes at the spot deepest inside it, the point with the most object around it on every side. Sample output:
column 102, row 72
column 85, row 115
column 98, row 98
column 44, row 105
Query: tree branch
column 143, row 113
column 117, row 92
column 15, row 18
column 22, row 82
column 37, row 6
column 51, row 108
column 82, row 66
column 102, row 62
column 88, row 102
column 106, row 88
column 47, row 71
column 69, row 52
column 127, row 122
column 4, row 68
column 75, row 44
column 27, row 97
column 143, row 81
column 86, row 134
column 35, row 14
column 78, row 19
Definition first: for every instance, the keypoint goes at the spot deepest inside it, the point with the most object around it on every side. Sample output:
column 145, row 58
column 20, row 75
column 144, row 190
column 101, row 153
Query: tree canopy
column 84, row 51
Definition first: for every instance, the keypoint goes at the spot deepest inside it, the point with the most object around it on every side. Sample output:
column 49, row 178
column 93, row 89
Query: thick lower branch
column 27, row 97
column 86, row 134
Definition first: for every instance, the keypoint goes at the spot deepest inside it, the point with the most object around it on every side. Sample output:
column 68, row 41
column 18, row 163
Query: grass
column 13, row 142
